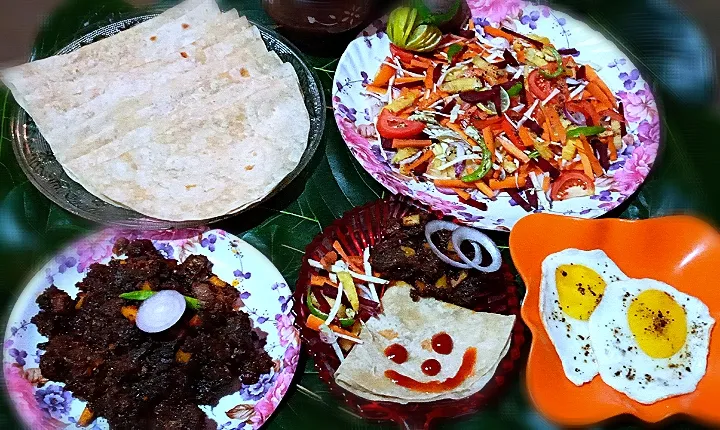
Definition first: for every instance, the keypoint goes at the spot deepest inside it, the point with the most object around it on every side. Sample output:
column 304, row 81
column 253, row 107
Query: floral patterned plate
column 266, row 297
column 355, row 113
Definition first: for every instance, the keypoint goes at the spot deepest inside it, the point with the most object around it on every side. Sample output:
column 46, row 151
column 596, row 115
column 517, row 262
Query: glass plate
column 43, row 170
column 362, row 227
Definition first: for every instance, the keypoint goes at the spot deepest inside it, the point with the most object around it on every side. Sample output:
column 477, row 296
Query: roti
column 413, row 324
column 186, row 116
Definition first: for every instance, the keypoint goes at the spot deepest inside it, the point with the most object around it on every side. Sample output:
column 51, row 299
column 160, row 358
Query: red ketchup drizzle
column 431, row 367
column 442, row 343
column 467, row 367
column 396, row 353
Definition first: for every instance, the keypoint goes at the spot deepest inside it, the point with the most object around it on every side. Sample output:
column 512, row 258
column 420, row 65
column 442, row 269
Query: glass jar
column 321, row 25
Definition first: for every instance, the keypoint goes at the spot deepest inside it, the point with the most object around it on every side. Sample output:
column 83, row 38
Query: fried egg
column 573, row 283
column 651, row 341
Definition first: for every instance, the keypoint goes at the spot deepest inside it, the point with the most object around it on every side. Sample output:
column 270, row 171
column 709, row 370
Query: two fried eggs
column 645, row 338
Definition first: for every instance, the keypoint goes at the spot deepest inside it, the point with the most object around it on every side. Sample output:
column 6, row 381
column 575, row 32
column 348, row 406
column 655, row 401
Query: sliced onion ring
column 438, row 225
column 463, row 234
column 161, row 311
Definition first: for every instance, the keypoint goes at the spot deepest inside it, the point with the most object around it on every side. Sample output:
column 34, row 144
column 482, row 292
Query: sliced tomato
column 540, row 87
column 585, row 108
column 572, row 184
column 394, row 127
column 403, row 55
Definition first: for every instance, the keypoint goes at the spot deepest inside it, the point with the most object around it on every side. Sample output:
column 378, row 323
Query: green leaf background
column 665, row 45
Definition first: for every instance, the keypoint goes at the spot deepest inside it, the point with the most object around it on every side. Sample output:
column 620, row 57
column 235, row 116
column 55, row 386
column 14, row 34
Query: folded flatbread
column 412, row 325
column 186, row 116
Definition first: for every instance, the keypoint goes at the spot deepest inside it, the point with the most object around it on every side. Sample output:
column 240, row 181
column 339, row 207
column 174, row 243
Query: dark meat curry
column 404, row 255
column 138, row 380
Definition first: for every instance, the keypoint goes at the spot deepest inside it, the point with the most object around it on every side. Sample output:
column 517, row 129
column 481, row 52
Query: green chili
column 515, row 89
column 585, row 131
column 138, row 295
column 344, row 322
column 141, row 295
column 558, row 58
column 486, row 164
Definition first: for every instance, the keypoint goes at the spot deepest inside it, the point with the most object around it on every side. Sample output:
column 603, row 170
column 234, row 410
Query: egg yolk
column 580, row 290
column 658, row 323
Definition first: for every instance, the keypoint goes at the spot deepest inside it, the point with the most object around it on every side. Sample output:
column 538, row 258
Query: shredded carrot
column 483, row 187
column 613, row 115
column 86, row 417
column 610, row 142
column 489, row 141
column 319, row 281
column 376, row 90
column 546, row 183
column 546, row 133
column 405, row 80
column 383, row 76
column 523, row 59
column 556, row 128
column 356, row 260
column 526, row 138
column 514, row 150
column 420, row 63
column 587, row 167
column 482, row 123
column 592, row 76
column 598, row 93
column 457, row 129
column 451, row 183
column 429, row 74
column 496, row 32
column 594, row 163
column 509, row 182
column 314, row 323
column 468, row 54
column 411, row 143
column 337, row 247
column 425, row 103
column 462, row 193
column 329, row 259
column 425, row 158
column 511, row 133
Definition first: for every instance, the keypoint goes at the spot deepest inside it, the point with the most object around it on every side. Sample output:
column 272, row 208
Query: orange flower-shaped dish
column 680, row 250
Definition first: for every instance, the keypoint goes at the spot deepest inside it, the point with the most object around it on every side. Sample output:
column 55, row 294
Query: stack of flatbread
column 413, row 325
column 186, row 116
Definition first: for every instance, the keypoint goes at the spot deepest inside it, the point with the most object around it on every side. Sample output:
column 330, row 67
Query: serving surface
column 265, row 296
column 680, row 251
column 355, row 111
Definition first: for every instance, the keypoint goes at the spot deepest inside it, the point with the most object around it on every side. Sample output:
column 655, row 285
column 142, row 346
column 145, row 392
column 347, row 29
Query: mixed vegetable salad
column 491, row 110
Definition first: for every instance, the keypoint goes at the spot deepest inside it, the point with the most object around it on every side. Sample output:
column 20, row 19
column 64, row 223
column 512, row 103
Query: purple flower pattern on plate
column 635, row 157
column 54, row 400
column 51, row 407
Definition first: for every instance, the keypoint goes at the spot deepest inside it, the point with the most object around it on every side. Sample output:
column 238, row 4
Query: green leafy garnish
column 141, row 295
column 453, row 50
column 534, row 155
column 428, row 17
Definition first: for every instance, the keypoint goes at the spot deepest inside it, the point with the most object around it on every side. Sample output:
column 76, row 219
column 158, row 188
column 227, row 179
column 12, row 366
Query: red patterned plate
column 362, row 227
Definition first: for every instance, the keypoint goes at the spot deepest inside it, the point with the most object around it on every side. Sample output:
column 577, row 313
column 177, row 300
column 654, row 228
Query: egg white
column 571, row 336
column 625, row 367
